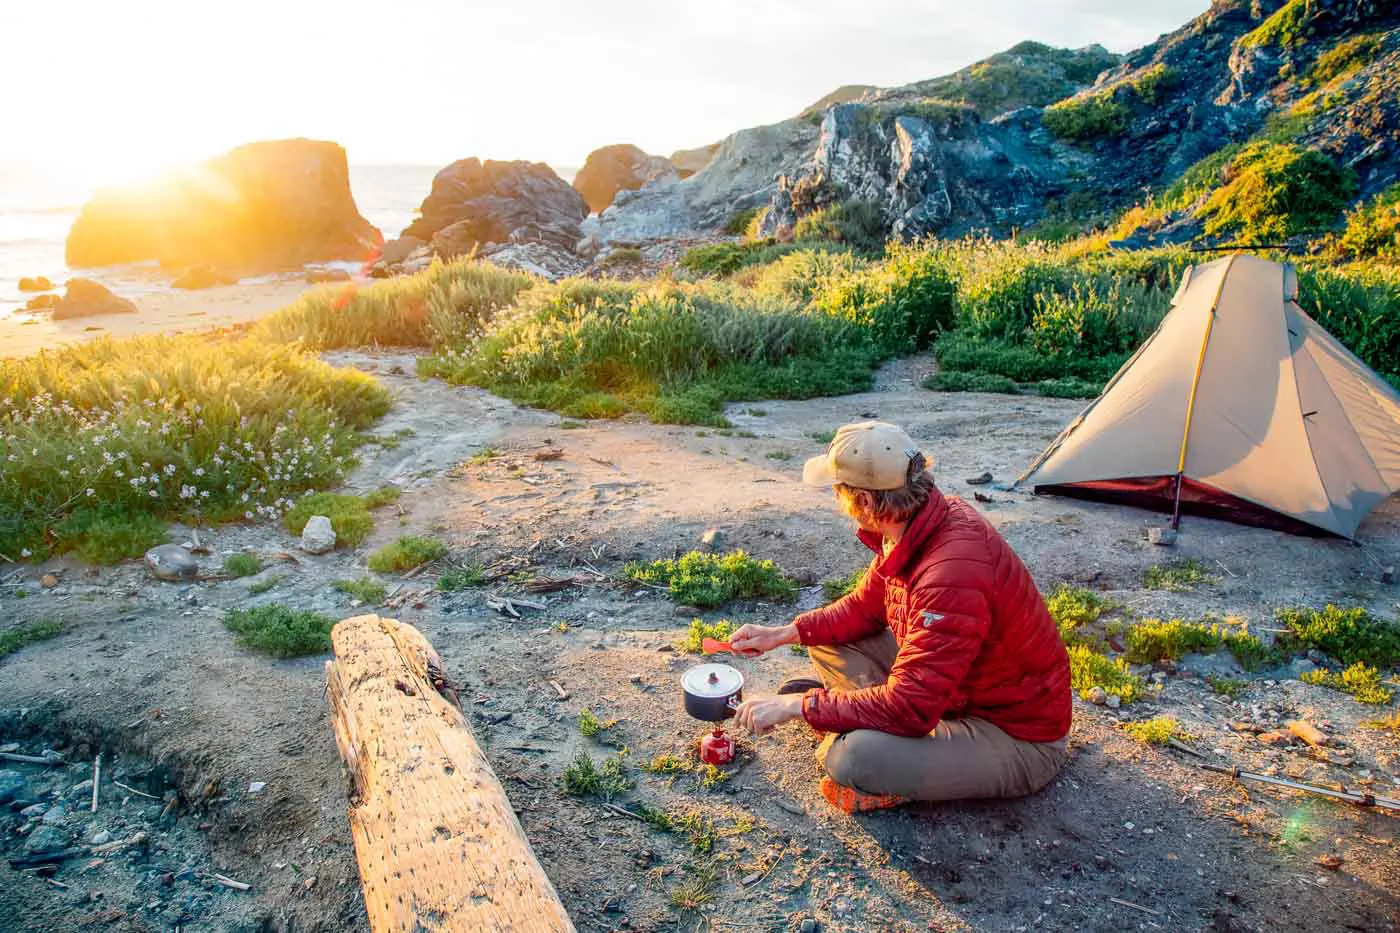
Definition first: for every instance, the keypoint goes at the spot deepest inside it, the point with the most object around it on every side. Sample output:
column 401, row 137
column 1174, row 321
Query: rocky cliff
column 1037, row 136
column 263, row 206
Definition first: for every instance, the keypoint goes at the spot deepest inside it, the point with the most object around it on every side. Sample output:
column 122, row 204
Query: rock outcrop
column 741, row 175
column 36, row 284
column 86, row 298
column 618, row 168
column 687, row 162
column 495, row 209
column 260, row 207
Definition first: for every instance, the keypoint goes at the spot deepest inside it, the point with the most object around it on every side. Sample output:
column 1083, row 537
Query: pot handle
column 733, row 702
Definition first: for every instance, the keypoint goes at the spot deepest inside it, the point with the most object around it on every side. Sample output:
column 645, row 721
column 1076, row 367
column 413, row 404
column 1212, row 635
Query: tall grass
column 446, row 304
column 104, row 442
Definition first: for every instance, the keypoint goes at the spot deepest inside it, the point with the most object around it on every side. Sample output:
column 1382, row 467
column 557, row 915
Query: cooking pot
column 712, row 691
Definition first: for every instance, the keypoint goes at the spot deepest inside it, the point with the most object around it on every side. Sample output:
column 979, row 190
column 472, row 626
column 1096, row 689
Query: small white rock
column 1098, row 696
column 55, row 816
column 1114, row 701
column 257, row 787
column 102, row 838
column 318, row 537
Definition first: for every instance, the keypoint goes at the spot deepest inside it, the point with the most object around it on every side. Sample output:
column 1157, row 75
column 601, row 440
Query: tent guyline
column 1239, row 406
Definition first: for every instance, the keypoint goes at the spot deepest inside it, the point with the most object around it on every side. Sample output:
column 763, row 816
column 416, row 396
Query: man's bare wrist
column 790, row 634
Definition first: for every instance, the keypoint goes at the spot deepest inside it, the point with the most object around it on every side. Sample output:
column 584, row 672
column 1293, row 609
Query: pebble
column 33, row 810
column 808, row 925
column 1098, row 696
column 1160, row 677
column 12, row 785
column 257, row 787
column 712, row 538
column 55, row 816
column 318, row 537
column 1162, row 537
column 46, row 839
column 635, row 678
column 48, row 581
column 82, row 787
column 102, row 838
column 171, row 562
column 1114, row 701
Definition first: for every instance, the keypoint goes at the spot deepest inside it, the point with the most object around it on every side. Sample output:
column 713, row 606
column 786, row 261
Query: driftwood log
column 438, row 845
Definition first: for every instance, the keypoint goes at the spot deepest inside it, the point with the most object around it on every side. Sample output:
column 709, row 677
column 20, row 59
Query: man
column 942, row 675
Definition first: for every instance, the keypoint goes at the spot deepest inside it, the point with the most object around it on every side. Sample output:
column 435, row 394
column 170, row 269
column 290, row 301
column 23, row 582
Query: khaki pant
column 961, row 759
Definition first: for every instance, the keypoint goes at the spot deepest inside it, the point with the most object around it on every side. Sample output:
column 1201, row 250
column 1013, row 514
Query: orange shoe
column 851, row 800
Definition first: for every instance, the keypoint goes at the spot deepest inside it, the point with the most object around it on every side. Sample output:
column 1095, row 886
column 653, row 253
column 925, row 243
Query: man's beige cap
column 867, row 455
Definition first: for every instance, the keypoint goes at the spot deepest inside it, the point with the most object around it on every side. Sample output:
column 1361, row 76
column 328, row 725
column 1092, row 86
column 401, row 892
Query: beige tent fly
column 1239, row 406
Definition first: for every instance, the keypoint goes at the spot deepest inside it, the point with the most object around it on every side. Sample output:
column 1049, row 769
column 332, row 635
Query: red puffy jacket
column 975, row 638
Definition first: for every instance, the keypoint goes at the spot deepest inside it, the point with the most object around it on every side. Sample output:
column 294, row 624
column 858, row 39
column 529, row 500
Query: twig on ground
column 794, row 809
column 230, row 883
column 1146, row 910
column 33, row 759
column 139, row 793
column 563, row 694
column 96, row 779
column 1224, row 568
column 1179, row 745
column 625, row 812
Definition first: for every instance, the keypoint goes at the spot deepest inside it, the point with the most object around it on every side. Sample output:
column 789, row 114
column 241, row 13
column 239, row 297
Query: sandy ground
column 171, row 312
column 1127, row 838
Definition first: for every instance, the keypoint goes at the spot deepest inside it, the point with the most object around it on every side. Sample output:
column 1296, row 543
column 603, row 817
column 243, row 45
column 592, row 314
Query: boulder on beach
column 323, row 276
column 86, row 298
column 41, row 303
column 475, row 204
column 36, row 284
column 260, row 207
column 617, row 168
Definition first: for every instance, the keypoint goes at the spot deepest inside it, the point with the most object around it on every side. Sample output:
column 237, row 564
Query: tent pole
column 1176, row 506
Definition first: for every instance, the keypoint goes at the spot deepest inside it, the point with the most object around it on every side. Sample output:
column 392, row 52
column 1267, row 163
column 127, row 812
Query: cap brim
column 817, row 472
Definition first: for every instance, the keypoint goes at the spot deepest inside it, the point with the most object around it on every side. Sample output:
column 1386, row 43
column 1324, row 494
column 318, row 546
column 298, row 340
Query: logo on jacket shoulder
column 931, row 617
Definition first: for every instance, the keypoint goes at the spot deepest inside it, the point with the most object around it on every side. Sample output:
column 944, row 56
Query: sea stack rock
column 517, row 214
column 86, row 298
column 260, row 207
column 618, row 168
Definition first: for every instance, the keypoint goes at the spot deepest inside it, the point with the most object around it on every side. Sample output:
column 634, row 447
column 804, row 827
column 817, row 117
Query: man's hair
column 896, row 505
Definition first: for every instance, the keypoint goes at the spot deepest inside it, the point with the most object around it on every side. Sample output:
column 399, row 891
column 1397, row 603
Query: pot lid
column 712, row 680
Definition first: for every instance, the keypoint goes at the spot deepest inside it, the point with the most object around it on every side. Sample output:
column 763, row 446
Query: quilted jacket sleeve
column 859, row 613
column 947, row 625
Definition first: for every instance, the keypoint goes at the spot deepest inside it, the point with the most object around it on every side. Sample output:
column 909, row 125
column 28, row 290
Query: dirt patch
column 146, row 673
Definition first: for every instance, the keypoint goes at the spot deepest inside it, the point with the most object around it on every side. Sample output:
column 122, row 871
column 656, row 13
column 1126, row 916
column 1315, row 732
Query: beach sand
column 173, row 312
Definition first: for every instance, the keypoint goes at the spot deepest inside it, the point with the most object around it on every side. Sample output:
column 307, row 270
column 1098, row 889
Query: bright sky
column 125, row 88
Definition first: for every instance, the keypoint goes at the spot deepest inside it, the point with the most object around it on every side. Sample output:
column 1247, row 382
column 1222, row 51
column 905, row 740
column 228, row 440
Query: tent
column 1239, row 406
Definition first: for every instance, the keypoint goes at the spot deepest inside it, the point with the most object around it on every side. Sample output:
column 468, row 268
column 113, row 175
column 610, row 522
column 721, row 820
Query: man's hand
column 762, row 714
column 752, row 640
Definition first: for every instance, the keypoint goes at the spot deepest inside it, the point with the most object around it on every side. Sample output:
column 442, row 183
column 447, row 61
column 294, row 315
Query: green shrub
column 1286, row 27
column 583, row 778
column 1345, row 58
column 462, row 578
column 1074, row 608
column 590, row 726
column 1069, row 387
column 1359, row 680
column 1373, row 227
column 1152, row 84
column 1089, row 669
column 709, row 580
column 1154, row 640
column 108, row 440
column 1156, row 731
column 901, row 304
column 1276, row 190
column 1088, row 118
column 621, row 256
column 723, row 259
column 1227, row 686
column 406, row 553
column 281, row 632
column 694, row 641
column 837, row 587
column 349, row 514
column 954, row 381
column 667, row 765
column 860, row 225
column 367, row 590
column 445, row 304
column 739, row 222
column 1349, row 635
column 1180, row 576
column 242, row 565
column 13, row 639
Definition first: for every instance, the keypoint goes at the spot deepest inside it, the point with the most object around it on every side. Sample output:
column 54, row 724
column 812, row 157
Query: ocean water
column 38, row 206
